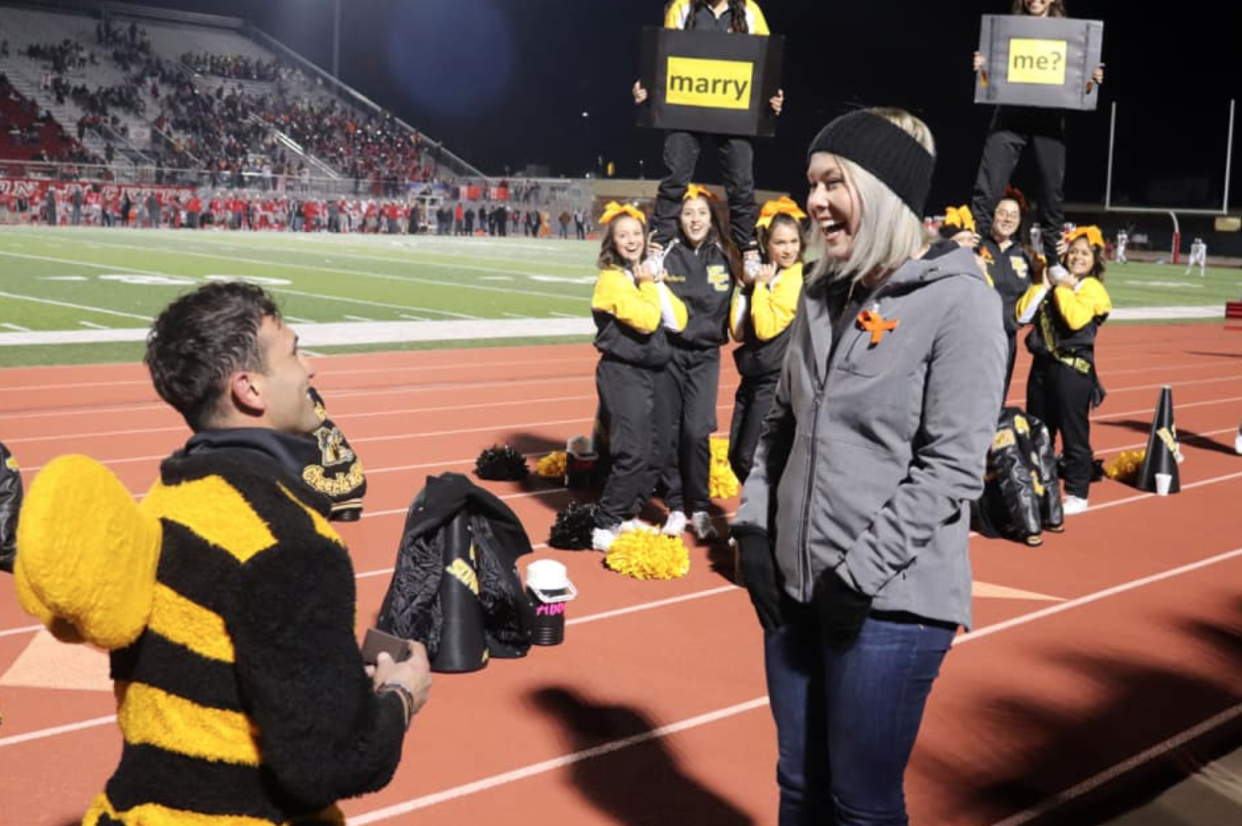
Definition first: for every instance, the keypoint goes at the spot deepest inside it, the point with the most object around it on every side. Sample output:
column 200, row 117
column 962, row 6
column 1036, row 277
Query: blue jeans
column 846, row 721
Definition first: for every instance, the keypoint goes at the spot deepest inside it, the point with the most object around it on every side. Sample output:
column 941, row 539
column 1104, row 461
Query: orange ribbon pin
column 875, row 324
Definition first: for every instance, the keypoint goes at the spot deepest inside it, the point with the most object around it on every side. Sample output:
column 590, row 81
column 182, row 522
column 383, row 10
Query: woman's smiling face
column 833, row 205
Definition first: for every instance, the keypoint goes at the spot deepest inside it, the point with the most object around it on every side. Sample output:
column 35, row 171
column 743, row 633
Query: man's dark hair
column 201, row 339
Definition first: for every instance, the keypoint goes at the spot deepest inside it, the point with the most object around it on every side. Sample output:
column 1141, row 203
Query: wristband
column 406, row 696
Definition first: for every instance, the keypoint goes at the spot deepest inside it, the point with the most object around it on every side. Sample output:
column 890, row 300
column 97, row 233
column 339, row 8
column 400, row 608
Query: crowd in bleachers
column 228, row 132
column 31, row 133
column 236, row 67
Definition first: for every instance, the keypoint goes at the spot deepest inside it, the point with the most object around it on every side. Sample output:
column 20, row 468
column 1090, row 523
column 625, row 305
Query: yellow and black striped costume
column 228, row 604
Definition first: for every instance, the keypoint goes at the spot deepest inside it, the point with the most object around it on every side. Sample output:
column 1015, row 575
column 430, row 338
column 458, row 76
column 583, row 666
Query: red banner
column 35, row 190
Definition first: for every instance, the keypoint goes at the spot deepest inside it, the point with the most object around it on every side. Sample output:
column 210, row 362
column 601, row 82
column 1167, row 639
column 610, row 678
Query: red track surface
column 653, row 710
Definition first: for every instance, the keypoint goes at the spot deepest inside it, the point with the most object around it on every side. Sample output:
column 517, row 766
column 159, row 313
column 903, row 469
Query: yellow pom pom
column 86, row 554
column 1126, row 466
column 646, row 553
column 553, row 465
column 722, row 483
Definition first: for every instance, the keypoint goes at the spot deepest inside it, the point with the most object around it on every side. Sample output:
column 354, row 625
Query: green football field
column 97, row 282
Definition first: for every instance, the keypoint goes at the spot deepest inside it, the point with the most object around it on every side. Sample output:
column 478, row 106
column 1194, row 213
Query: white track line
column 555, row 763
column 488, row 783
column 1122, row 768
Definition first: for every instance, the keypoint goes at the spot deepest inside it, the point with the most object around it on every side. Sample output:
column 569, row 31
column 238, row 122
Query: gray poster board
column 1039, row 61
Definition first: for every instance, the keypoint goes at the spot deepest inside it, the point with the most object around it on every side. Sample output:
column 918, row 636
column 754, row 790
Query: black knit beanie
column 885, row 150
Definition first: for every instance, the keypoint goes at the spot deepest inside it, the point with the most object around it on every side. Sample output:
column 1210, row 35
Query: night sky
column 505, row 83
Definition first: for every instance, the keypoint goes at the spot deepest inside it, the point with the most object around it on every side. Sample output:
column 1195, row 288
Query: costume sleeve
column 635, row 305
column 773, row 308
column 1082, row 306
column 758, row 24
column 323, row 732
column 1029, row 303
column 961, row 398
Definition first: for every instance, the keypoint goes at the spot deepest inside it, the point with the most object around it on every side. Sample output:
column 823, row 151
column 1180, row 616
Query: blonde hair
column 889, row 233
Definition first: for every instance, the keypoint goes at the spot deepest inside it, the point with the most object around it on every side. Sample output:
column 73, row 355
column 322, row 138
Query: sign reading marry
column 1039, row 61
column 710, row 81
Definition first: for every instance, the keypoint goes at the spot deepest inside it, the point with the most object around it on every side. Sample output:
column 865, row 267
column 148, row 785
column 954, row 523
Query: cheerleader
column 759, row 320
column 631, row 306
column 1012, row 130
column 1066, row 311
column 698, row 271
column 1010, row 266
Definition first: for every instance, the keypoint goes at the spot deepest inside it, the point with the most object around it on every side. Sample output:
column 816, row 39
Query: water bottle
column 550, row 591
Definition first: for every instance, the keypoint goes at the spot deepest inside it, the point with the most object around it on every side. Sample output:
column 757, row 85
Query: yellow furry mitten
column 86, row 554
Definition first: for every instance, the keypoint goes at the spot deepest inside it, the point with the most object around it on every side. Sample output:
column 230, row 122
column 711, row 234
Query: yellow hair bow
column 613, row 209
column 781, row 206
column 1092, row 233
column 699, row 191
column 959, row 217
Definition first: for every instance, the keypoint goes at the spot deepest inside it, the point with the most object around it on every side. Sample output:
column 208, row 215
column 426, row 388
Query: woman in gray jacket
column 852, row 533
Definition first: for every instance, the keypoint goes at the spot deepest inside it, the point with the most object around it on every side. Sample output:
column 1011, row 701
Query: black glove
column 756, row 570
column 841, row 609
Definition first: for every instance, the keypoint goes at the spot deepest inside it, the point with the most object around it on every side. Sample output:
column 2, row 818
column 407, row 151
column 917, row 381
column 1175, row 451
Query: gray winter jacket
column 867, row 463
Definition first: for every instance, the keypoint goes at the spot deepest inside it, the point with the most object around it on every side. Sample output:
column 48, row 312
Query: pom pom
column 1125, row 468
column 501, row 464
column 645, row 553
column 722, row 483
column 553, row 465
column 572, row 529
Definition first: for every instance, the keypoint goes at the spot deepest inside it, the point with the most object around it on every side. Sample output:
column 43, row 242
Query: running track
column 1101, row 663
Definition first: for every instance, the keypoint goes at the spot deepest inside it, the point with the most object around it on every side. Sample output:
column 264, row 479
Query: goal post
column 1172, row 212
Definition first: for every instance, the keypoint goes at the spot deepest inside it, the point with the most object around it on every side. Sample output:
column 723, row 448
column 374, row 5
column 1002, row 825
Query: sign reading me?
column 1037, row 61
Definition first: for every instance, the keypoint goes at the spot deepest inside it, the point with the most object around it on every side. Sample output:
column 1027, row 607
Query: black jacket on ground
column 412, row 609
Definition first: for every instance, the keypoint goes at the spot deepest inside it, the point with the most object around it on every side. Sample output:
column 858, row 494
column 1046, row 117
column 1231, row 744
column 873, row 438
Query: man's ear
column 246, row 391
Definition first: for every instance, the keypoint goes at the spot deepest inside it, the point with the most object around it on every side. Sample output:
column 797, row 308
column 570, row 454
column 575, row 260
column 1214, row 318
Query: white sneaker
column 1237, row 443
column 703, row 527
column 675, row 525
column 602, row 538
column 1073, row 505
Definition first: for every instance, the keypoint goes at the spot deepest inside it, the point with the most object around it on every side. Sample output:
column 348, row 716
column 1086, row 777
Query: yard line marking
column 281, row 290
column 408, row 317
column 16, row 327
column 358, row 318
column 94, row 326
column 381, row 276
column 295, row 319
column 55, row 303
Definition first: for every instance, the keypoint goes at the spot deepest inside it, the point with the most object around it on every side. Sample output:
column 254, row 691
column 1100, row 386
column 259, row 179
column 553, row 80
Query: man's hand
column 640, row 94
column 413, row 673
column 979, row 62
